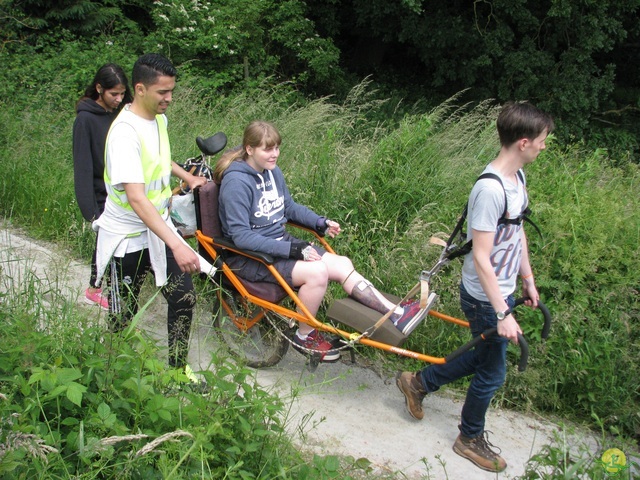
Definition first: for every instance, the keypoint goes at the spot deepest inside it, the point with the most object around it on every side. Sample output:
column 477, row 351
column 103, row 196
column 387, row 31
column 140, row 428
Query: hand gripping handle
column 546, row 328
column 522, row 343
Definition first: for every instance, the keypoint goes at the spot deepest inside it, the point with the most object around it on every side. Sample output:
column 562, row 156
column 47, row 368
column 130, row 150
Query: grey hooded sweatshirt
column 255, row 206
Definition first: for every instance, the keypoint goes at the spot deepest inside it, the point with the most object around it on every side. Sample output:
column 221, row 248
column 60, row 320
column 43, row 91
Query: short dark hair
column 522, row 120
column 149, row 67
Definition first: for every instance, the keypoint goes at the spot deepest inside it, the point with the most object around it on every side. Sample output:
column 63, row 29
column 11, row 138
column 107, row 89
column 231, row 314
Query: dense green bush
column 77, row 399
column 230, row 43
column 226, row 44
column 565, row 56
column 79, row 402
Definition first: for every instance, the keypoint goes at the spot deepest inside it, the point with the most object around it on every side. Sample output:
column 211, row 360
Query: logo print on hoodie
column 270, row 203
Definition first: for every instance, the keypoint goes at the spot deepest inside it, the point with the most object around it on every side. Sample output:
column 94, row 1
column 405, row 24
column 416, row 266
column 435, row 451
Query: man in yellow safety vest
column 135, row 233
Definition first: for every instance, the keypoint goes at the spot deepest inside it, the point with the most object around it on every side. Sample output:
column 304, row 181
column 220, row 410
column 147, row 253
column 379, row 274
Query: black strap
column 496, row 177
column 457, row 233
column 525, row 217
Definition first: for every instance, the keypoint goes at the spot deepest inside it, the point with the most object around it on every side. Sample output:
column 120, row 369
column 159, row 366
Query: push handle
column 546, row 328
column 522, row 343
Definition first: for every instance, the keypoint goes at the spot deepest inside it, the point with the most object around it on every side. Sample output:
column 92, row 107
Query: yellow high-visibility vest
column 156, row 167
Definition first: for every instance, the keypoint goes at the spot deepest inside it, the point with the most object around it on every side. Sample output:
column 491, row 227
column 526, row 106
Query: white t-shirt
column 486, row 205
column 124, row 165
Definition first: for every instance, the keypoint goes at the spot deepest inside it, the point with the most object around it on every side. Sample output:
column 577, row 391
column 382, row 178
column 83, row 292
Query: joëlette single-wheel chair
column 256, row 319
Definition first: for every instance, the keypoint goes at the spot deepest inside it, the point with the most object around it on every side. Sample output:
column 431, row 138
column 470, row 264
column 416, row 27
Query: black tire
column 263, row 345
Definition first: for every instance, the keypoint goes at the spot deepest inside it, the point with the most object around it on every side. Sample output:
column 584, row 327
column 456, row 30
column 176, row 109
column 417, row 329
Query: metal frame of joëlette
column 304, row 315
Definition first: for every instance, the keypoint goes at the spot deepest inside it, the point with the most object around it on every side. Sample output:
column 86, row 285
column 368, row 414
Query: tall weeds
column 79, row 402
column 392, row 186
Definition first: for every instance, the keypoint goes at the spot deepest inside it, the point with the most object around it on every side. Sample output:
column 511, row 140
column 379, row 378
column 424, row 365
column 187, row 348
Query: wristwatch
column 502, row 315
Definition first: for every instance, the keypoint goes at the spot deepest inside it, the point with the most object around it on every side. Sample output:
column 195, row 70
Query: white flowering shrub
column 228, row 41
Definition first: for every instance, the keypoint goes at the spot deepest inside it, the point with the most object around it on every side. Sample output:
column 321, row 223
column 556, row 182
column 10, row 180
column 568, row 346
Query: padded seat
column 207, row 205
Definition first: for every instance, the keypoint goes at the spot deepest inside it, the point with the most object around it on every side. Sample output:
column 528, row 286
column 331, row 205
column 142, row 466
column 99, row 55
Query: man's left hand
column 530, row 291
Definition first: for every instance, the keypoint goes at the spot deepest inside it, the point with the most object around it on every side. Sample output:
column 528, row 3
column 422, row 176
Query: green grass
column 79, row 402
column 392, row 186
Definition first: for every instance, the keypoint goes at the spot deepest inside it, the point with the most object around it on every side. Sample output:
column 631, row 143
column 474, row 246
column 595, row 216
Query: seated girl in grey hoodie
column 255, row 206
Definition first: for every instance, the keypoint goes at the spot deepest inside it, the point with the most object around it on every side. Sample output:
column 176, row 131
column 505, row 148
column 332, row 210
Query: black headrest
column 213, row 144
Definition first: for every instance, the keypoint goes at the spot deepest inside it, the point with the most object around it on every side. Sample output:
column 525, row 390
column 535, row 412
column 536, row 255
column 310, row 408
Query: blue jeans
column 486, row 362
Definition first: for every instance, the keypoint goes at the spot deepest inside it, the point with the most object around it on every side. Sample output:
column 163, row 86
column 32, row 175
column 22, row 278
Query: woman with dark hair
column 95, row 111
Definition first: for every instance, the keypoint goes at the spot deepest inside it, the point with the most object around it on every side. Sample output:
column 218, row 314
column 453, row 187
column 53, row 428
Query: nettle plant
column 75, row 399
column 237, row 40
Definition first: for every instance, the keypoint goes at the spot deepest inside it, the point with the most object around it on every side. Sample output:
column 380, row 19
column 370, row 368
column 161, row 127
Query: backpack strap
column 452, row 251
column 458, row 228
column 526, row 211
column 499, row 180
column 525, row 217
column 465, row 248
column 455, row 252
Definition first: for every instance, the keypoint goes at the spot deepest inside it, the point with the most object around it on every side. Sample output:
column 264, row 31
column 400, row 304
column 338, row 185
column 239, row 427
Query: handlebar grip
column 524, row 353
column 546, row 328
column 522, row 343
column 469, row 345
column 547, row 319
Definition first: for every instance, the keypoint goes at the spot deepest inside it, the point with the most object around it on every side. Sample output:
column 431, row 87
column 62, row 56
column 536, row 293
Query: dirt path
column 340, row 409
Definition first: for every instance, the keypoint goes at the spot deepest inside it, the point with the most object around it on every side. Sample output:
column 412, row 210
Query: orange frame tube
column 304, row 315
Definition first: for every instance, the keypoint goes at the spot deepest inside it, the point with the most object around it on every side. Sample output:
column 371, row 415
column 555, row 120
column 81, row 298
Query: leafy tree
column 575, row 58
column 232, row 41
column 226, row 42
column 28, row 19
column 555, row 53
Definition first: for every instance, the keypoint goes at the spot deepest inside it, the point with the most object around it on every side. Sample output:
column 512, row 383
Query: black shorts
column 255, row 271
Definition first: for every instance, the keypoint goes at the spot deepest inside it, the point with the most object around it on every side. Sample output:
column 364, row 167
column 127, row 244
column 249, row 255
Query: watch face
column 500, row 315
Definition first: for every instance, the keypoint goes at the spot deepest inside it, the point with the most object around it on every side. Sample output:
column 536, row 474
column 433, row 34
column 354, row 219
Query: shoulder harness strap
column 455, row 252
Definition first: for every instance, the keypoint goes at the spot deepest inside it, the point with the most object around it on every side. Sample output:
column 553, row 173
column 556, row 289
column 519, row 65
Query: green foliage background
column 79, row 402
column 561, row 55
column 393, row 173
column 393, row 186
column 577, row 59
